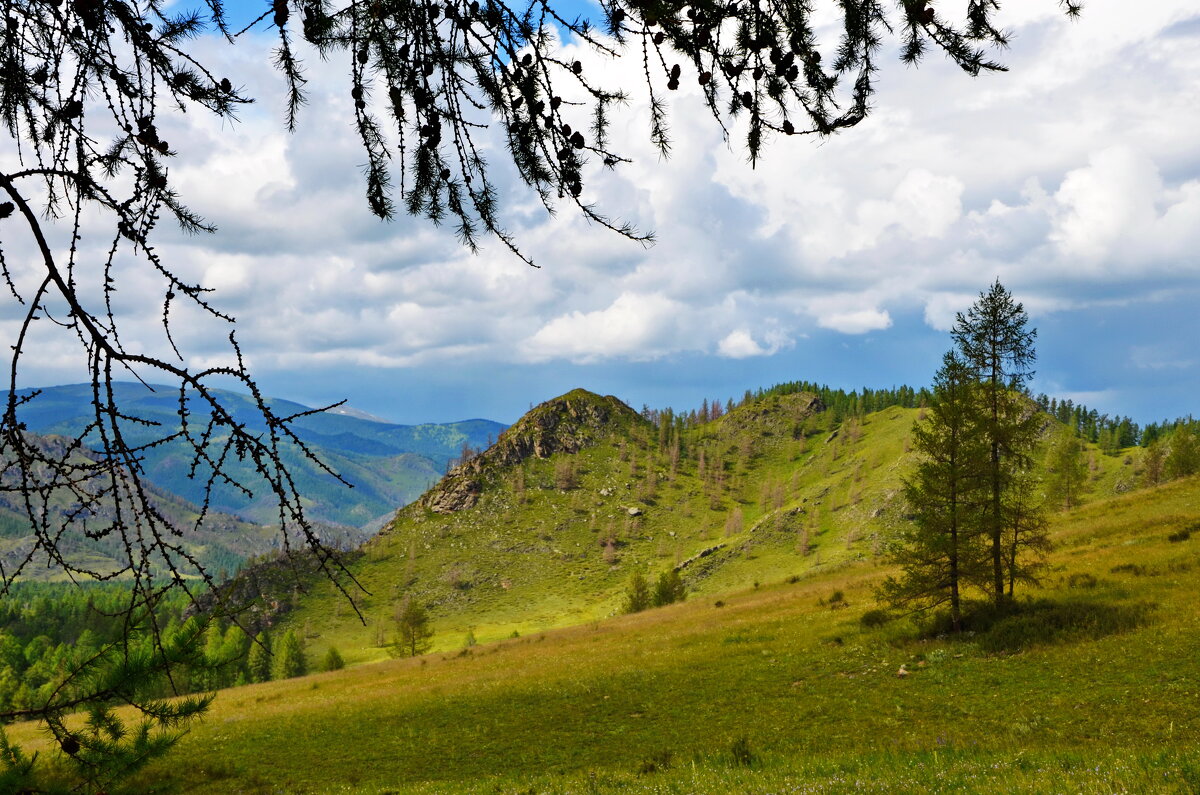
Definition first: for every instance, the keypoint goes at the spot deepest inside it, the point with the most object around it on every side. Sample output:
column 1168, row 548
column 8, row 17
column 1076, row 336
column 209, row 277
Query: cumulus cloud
column 634, row 326
column 1060, row 177
column 740, row 344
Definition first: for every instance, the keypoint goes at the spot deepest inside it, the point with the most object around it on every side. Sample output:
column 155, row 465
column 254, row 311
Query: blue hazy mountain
column 389, row 465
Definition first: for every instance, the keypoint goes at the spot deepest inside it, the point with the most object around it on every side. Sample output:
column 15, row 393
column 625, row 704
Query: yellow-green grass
column 583, row 709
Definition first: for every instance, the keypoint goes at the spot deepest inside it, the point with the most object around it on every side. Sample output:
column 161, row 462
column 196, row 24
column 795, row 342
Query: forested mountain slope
column 388, row 464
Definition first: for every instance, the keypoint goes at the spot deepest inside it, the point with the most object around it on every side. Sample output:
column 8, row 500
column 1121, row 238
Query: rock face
column 566, row 424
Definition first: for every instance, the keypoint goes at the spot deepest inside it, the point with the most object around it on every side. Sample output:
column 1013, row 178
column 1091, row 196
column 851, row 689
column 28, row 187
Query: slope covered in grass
column 1091, row 688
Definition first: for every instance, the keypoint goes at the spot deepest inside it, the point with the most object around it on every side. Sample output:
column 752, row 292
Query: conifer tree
column 412, row 627
column 1026, row 531
column 669, row 589
column 288, row 658
column 637, row 596
column 1154, row 463
column 259, row 662
column 940, row 550
column 1066, row 470
column 1183, row 459
column 992, row 339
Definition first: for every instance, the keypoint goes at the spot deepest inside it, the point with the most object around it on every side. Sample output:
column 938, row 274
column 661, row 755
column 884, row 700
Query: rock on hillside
column 565, row 424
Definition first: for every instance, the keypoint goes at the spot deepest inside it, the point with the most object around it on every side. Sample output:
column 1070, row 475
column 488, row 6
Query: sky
column 1074, row 178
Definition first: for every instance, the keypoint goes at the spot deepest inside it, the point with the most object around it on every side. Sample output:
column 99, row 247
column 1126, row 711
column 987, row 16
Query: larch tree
column 1026, row 530
column 993, row 340
column 1066, row 469
column 940, row 552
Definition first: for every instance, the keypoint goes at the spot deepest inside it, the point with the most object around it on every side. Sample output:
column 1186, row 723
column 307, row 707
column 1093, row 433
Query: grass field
column 1097, row 691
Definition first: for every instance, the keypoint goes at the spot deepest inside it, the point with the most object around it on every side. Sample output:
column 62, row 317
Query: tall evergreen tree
column 289, row 657
column 259, row 661
column 938, row 552
column 993, row 340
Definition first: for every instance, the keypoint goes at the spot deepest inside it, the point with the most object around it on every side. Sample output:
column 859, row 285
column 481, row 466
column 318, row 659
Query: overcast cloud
column 1074, row 178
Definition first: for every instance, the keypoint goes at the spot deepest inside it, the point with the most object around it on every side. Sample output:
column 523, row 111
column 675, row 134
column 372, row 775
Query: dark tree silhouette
column 86, row 181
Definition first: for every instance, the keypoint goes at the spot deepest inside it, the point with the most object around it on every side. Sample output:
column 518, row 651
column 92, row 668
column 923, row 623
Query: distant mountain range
column 389, row 465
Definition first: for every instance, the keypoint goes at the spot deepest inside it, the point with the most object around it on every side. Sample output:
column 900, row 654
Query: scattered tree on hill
column 637, row 595
column 669, row 589
column 1066, row 470
column 258, row 663
column 1154, row 463
column 288, row 657
column 413, row 633
column 333, row 660
column 565, row 473
column 940, row 551
column 993, row 340
column 1183, row 459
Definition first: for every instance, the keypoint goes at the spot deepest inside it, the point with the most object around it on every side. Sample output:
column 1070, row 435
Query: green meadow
column 1094, row 687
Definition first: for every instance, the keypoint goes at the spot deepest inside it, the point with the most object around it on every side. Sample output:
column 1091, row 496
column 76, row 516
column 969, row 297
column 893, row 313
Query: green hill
column 545, row 528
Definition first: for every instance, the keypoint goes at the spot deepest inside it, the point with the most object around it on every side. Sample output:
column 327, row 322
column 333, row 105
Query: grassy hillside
column 1093, row 691
column 546, row 528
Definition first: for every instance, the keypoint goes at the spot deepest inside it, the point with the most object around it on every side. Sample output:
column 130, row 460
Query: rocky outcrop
column 566, row 424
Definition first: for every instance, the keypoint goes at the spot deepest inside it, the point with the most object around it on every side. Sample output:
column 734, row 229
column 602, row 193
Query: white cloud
column 856, row 322
column 740, row 344
column 633, row 326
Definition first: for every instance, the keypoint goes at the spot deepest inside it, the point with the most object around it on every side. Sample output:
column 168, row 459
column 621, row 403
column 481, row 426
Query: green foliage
column 637, row 597
column 288, row 657
column 333, row 660
column 413, row 633
column 669, row 589
column 940, row 551
column 1183, row 459
column 1066, row 470
column 874, row 618
column 258, row 664
column 741, row 752
column 993, row 341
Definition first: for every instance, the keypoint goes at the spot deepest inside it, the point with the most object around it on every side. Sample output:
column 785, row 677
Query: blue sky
column 1074, row 178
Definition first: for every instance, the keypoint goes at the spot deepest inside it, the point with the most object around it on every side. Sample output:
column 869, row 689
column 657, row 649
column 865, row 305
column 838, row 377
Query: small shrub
column 1181, row 535
column 718, row 603
column 836, row 597
column 875, row 618
column 1081, row 579
column 792, row 580
column 656, row 762
column 333, row 660
column 741, row 753
column 1136, row 569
